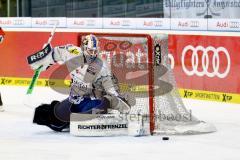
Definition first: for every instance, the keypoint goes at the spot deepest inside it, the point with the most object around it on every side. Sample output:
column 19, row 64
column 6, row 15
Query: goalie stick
column 38, row 71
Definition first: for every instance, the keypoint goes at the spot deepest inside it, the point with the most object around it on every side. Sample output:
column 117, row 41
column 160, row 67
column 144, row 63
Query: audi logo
column 158, row 23
column 18, row 22
column 126, row 23
column 194, row 24
column 234, row 24
column 205, row 61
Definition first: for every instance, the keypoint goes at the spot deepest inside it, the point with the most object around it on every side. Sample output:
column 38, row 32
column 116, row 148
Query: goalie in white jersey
column 94, row 88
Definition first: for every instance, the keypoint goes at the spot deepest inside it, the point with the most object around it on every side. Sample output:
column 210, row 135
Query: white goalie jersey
column 88, row 79
column 91, row 78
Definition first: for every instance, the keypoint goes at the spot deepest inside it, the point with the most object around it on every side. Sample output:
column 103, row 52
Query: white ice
column 22, row 140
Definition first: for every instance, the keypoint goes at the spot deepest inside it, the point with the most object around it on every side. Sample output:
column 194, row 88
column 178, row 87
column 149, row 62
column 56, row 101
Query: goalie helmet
column 90, row 47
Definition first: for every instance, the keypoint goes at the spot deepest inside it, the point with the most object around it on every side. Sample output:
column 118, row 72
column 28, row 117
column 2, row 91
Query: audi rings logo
column 18, row 22
column 194, row 24
column 234, row 24
column 205, row 61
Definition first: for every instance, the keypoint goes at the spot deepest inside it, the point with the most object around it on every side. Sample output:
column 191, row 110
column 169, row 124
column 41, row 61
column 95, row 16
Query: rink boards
column 205, row 64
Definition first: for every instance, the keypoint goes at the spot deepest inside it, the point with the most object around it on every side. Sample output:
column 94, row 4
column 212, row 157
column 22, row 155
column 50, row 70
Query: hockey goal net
column 141, row 64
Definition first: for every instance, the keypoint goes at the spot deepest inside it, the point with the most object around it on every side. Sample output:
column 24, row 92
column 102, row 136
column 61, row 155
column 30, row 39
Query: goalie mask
column 90, row 47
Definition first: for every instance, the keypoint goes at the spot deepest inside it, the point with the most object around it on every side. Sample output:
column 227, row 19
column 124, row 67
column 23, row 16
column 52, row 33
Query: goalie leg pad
column 98, row 125
column 57, row 114
column 44, row 115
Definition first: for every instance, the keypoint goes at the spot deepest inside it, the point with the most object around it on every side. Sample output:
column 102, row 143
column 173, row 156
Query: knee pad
column 89, row 106
column 104, row 105
column 102, row 108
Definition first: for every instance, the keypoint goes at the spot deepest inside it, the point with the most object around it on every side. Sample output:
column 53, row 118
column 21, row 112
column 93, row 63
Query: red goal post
column 148, row 44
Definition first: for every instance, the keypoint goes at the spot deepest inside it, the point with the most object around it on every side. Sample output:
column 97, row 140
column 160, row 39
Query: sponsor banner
column 188, row 24
column 185, row 9
column 16, row 81
column 210, row 96
column 202, row 8
column 26, row 43
column 208, row 63
column 84, row 22
column 128, row 23
column 185, row 93
column 152, row 23
column 49, row 22
column 224, row 24
column 15, row 22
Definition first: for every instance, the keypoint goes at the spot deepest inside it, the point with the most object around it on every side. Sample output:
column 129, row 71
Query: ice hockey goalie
column 94, row 89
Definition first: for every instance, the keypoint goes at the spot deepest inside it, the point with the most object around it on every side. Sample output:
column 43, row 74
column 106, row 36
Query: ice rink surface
column 22, row 140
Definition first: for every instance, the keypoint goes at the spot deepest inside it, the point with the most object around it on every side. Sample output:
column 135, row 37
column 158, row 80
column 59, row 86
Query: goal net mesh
column 141, row 64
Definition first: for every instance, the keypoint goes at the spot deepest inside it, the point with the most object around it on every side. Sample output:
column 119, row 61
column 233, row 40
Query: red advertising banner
column 208, row 63
column 200, row 63
column 18, row 45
